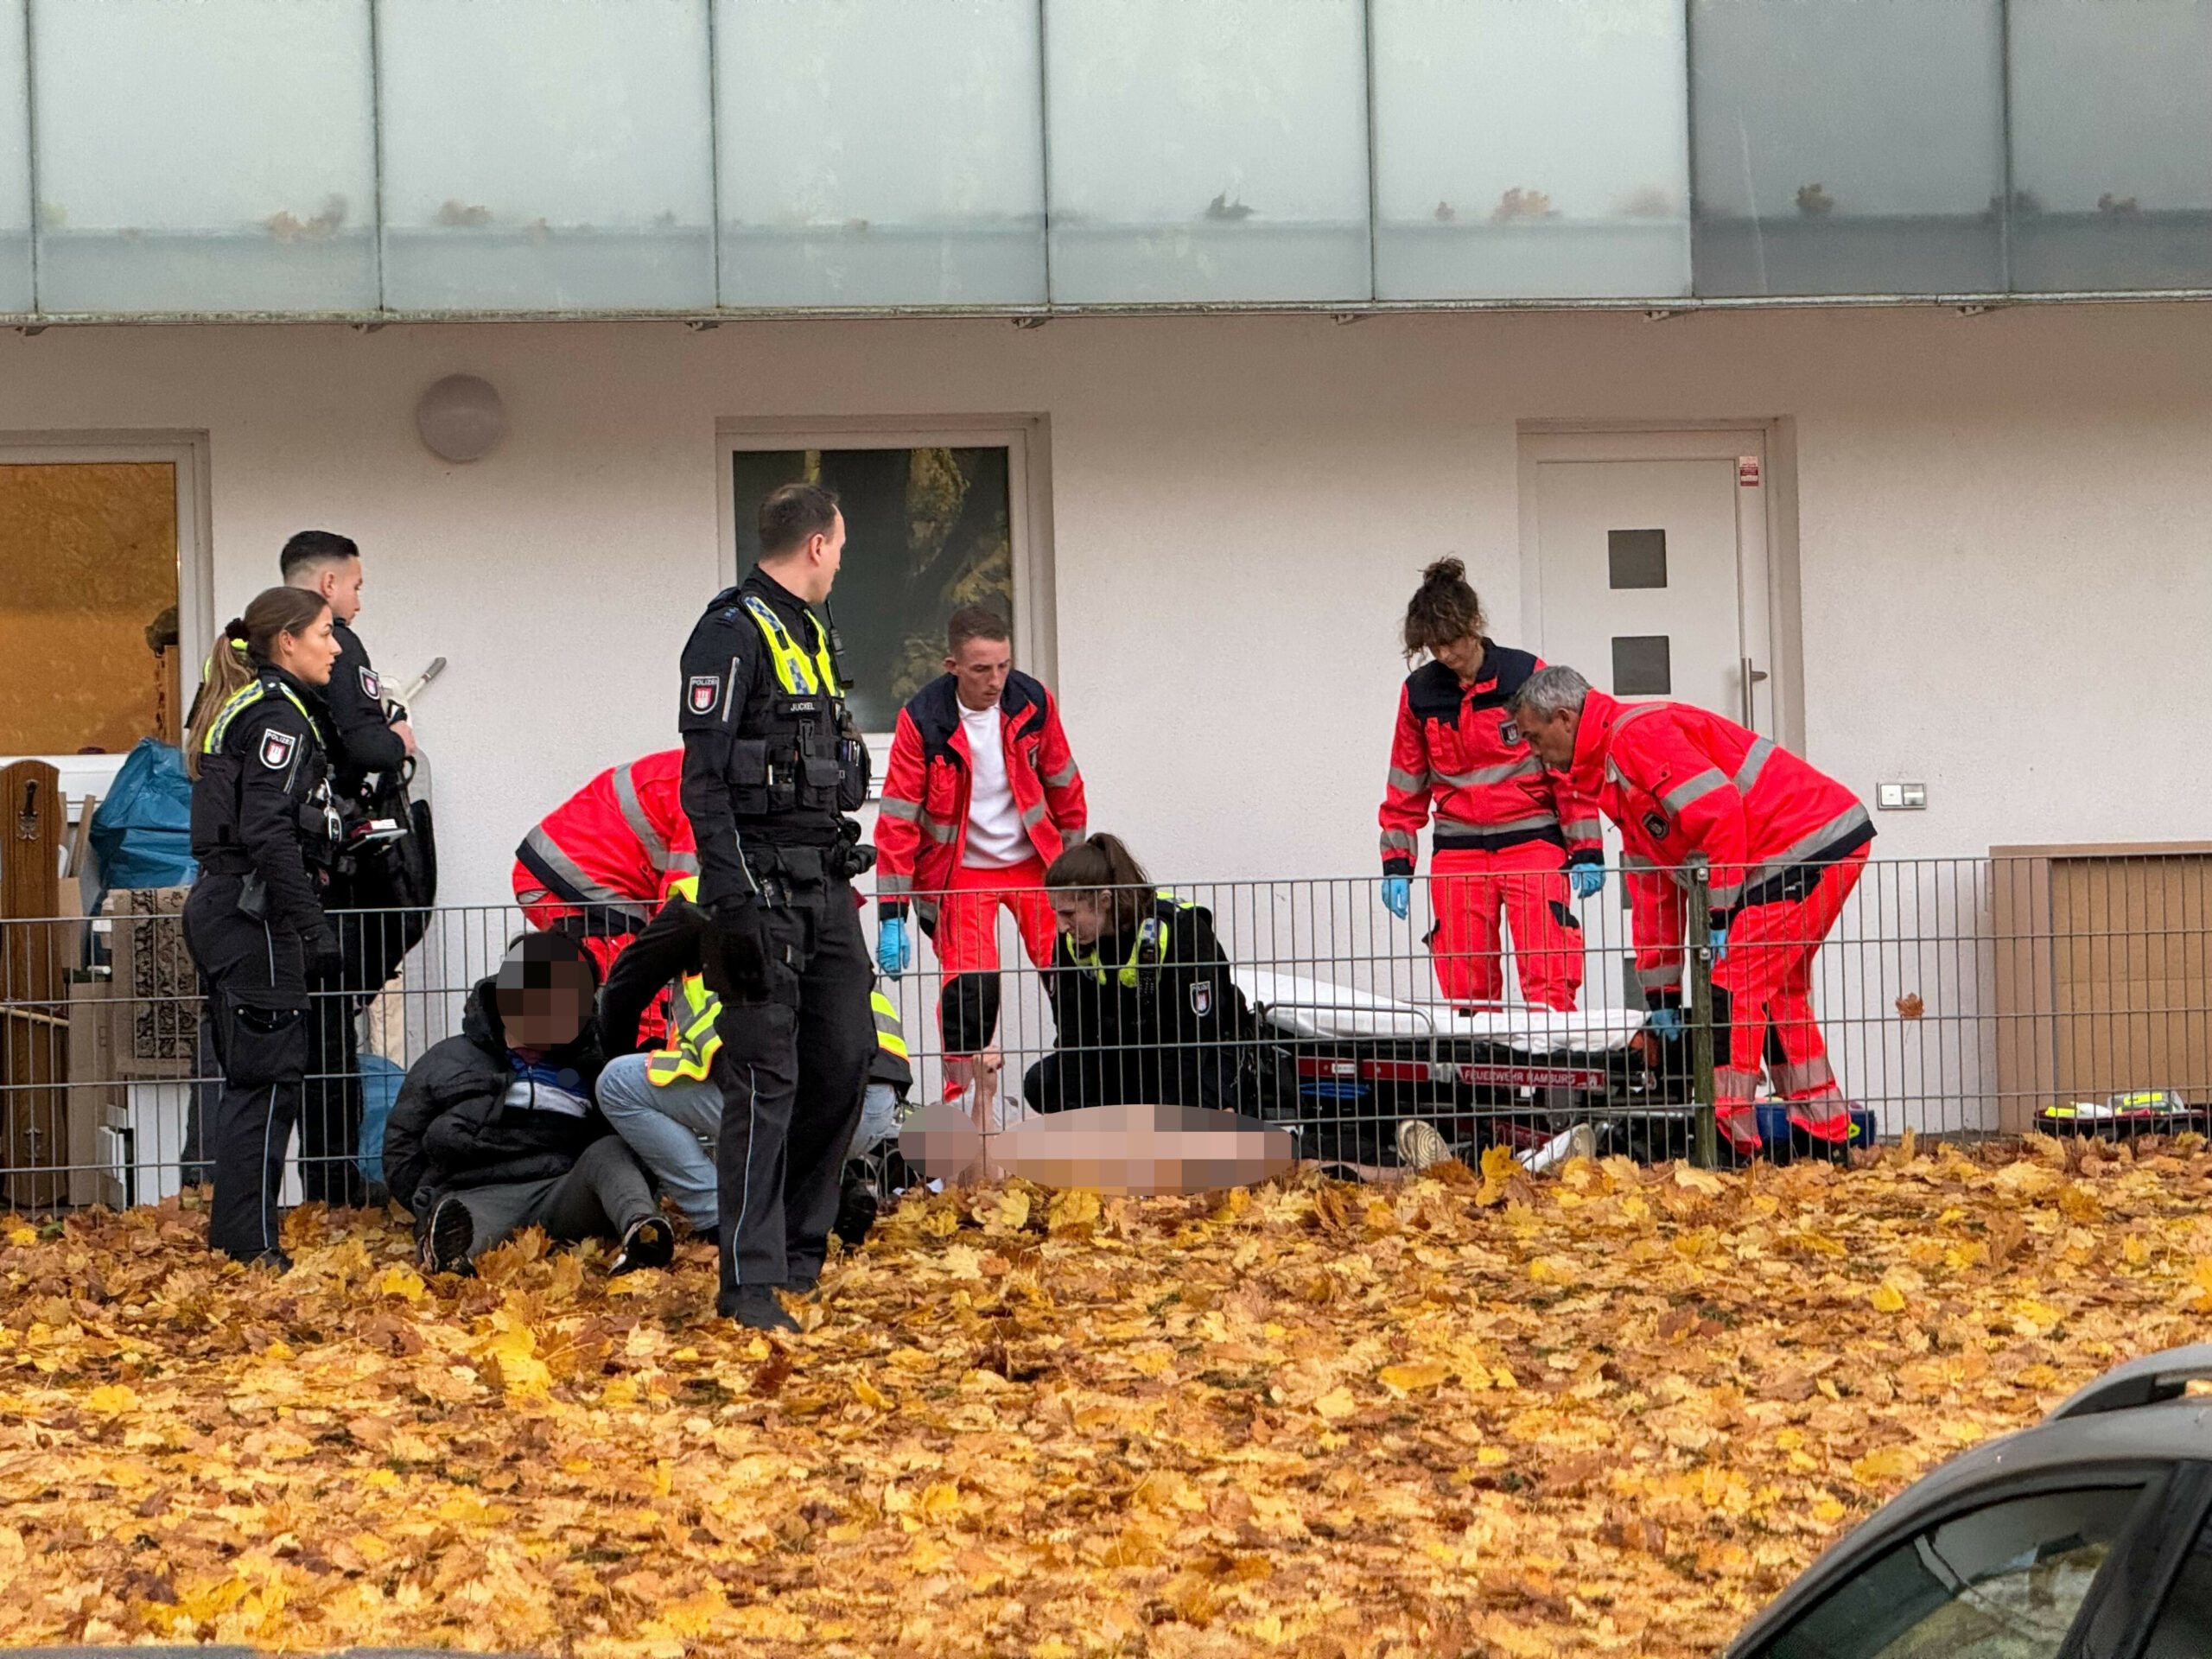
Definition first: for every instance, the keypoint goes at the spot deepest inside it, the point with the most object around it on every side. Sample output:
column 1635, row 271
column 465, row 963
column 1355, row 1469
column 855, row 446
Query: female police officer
column 1141, row 993
column 264, row 830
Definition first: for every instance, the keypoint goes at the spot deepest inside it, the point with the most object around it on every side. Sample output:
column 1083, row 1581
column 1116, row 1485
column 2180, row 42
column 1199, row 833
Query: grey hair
column 1550, row 691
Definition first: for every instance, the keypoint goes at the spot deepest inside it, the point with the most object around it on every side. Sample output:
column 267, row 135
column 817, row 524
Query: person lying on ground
column 665, row 1103
column 1141, row 993
column 495, row 1130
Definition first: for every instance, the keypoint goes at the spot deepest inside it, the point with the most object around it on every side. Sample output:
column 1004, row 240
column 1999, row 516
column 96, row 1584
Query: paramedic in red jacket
column 1510, row 837
column 1786, row 845
column 982, row 793
column 599, row 864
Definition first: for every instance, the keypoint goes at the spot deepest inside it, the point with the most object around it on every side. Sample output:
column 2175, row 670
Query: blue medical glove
column 1587, row 879
column 1665, row 1022
column 894, row 950
column 1398, row 896
column 1719, row 943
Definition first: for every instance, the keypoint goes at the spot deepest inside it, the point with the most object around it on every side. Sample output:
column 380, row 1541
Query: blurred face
column 979, row 669
column 307, row 657
column 1082, row 912
column 1553, row 740
column 543, row 1004
column 1462, row 657
column 340, row 584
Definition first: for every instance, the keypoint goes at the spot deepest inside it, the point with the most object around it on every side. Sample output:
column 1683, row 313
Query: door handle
column 1751, row 678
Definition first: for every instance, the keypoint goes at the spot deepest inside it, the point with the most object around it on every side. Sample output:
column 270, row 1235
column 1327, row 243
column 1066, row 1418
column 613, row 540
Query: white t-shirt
column 996, row 840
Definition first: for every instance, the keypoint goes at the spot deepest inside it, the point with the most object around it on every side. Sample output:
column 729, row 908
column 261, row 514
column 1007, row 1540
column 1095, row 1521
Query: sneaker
column 649, row 1243
column 1420, row 1145
column 447, row 1237
column 756, row 1308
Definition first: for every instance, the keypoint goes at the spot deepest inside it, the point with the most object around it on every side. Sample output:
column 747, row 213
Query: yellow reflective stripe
column 685, row 887
column 890, row 1035
column 239, row 700
column 794, row 672
column 697, row 1039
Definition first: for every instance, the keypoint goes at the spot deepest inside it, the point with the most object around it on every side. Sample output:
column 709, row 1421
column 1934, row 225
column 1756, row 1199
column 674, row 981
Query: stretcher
column 1365, row 1062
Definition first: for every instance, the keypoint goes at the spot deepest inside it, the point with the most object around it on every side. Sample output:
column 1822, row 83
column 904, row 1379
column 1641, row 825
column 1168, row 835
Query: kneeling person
column 495, row 1130
column 665, row 1103
column 1141, row 990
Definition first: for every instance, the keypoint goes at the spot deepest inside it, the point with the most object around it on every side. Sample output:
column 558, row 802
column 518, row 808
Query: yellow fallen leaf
column 403, row 1282
column 1337, row 1403
column 868, row 1394
column 1890, row 1462
column 111, row 1399
column 1421, row 1373
column 1074, row 1210
column 1887, row 1299
column 23, row 1237
column 962, row 1261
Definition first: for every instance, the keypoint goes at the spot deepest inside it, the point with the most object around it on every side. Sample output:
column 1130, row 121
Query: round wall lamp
column 461, row 418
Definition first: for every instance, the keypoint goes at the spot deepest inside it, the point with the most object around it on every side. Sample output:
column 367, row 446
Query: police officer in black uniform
column 264, row 830
column 772, row 764
column 367, row 737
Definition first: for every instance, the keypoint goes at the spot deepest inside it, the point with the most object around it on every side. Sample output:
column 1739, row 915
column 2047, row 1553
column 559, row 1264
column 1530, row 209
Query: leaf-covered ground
column 1607, row 1412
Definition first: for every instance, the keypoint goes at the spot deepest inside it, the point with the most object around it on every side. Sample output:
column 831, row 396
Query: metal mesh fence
column 1957, row 997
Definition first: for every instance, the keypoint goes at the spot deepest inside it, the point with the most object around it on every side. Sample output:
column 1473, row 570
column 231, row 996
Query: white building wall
column 2006, row 583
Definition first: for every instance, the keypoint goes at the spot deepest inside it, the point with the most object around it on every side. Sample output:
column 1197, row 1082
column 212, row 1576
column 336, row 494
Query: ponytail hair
column 243, row 651
column 1443, row 611
column 1103, row 864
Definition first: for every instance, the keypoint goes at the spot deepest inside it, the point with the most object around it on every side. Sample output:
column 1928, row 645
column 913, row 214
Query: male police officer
column 771, row 764
column 367, row 736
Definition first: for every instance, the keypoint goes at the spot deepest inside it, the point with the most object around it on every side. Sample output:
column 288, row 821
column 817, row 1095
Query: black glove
column 736, row 953
column 326, row 958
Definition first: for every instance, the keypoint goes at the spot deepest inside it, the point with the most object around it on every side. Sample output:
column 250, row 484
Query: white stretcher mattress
column 1316, row 1007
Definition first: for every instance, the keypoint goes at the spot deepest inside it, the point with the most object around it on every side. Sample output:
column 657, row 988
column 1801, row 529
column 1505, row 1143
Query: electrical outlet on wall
column 1901, row 798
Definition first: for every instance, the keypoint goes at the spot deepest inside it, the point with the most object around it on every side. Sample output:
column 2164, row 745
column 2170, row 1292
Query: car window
column 2002, row 1582
column 2184, row 1626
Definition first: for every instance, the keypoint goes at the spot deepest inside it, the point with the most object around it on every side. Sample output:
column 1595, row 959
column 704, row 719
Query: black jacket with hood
column 450, row 1129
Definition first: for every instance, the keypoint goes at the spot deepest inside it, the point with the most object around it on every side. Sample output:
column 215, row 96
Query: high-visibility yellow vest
column 692, row 1013
column 798, row 674
column 1147, row 951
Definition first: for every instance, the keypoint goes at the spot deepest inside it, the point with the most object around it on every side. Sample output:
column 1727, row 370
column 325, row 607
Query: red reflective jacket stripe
column 625, row 831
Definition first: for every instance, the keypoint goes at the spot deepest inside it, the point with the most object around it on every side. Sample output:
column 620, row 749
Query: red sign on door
column 1747, row 470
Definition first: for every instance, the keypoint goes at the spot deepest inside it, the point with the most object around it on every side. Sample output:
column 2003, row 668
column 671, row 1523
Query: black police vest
column 217, row 799
column 798, row 752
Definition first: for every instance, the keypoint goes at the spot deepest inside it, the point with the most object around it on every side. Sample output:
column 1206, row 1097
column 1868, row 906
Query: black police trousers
column 793, row 1069
column 330, row 1113
column 256, row 1022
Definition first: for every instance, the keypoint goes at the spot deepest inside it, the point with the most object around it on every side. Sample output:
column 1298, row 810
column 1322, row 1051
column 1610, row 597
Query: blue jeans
column 673, row 1127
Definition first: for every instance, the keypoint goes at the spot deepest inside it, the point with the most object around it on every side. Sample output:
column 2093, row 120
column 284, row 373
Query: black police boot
column 856, row 1205
column 756, row 1308
column 649, row 1243
column 275, row 1261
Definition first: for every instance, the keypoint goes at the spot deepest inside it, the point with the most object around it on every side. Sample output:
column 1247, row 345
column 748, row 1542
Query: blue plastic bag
column 380, row 1081
column 142, row 831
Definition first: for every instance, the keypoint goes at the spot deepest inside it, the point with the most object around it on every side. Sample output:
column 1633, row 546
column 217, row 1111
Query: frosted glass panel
column 205, row 156
column 1847, row 146
column 880, row 152
column 14, row 164
column 547, row 154
column 2112, row 145
column 1530, row 148
column 1207, row 149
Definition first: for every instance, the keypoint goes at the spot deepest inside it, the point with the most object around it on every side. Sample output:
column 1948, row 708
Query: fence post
column 1706, row 1148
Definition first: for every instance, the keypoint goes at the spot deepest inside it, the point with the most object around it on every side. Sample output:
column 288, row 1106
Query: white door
column 1645, row 556
column 1643, row 562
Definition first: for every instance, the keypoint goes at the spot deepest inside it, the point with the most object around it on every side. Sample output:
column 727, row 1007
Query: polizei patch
column 277, row 749
column 706, row 692
column 372, row 687
column 1510, row 734
column 1202, row 998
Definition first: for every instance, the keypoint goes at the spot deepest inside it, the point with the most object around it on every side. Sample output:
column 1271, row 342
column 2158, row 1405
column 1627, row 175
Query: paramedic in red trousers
column 982, row 794
column 1785, row 844
column 1510, row 837
column 599, row 865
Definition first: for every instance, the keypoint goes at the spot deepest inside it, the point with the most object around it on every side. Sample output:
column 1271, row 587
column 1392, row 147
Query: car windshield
column 2002, row 1582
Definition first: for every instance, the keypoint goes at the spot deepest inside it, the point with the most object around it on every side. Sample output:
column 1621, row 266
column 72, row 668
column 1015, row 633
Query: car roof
column 2105, row 1425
